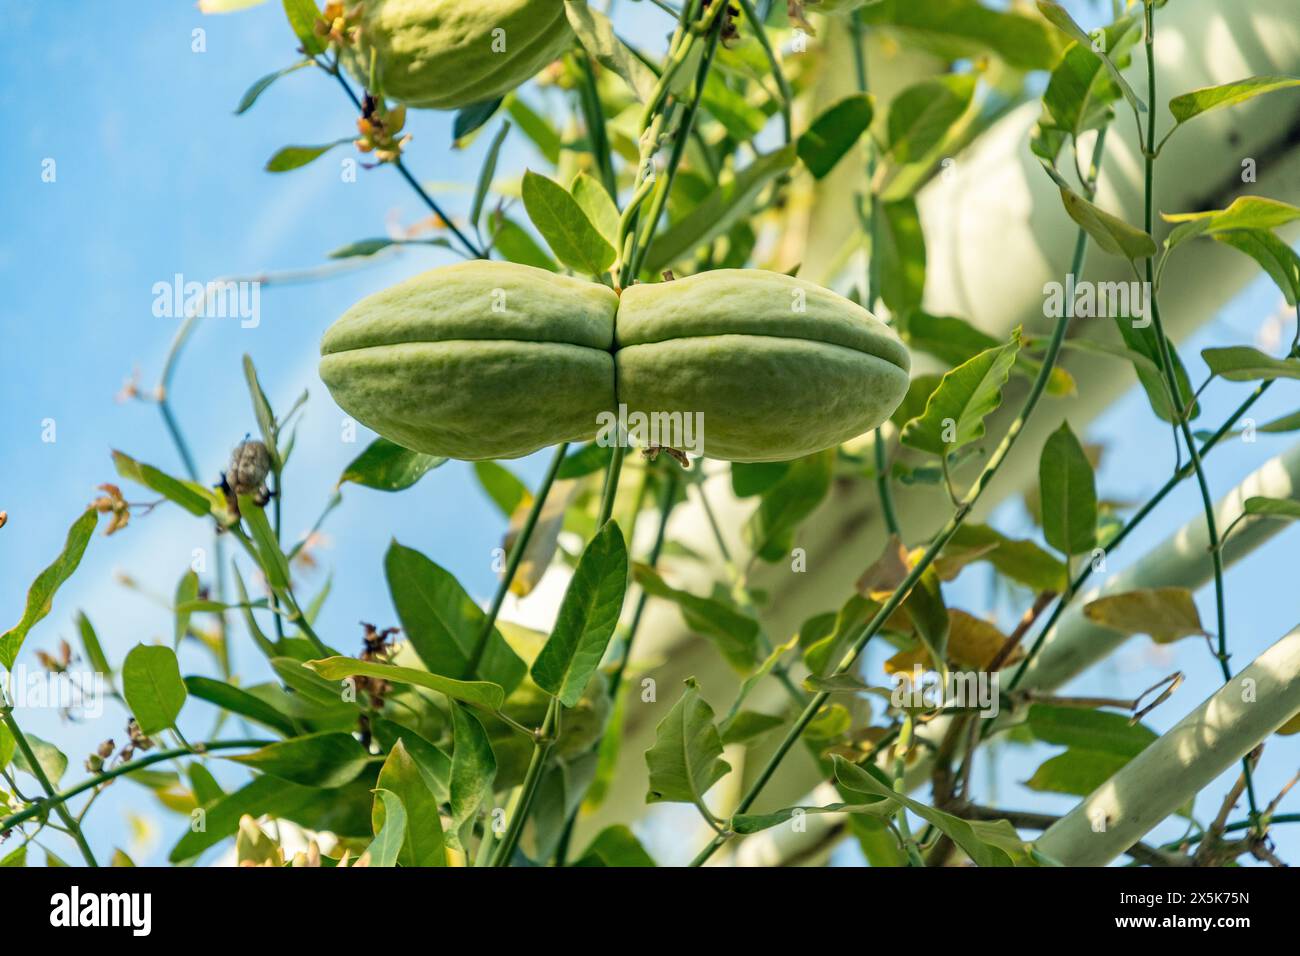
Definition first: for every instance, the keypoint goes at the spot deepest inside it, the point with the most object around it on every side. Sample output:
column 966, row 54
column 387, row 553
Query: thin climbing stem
column 474, row 251
column 37, row 771
column 105, row 776
column 937, row 544
column 517, row 550
column 1167, row 364
column 544, row 738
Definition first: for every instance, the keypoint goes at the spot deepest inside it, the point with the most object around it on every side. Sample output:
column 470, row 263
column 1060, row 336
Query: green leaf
column 980, row 843
column 502, row 486
column 1068, row 493
column 7, row 746
column 722, row 208
column 565, row 227
column 187, row 590
column 615, row 846
column 1082, row 729
column 473, row 768
column 825, row 654
column 236, row 701
column 16, row 858
column 303, row 15
column 1058, row 17
column 1020, row 560
column 152, row 685
column 517, row 245
column 735, row 634
column 48, row 757
column 901, row 256
column 590, row 194
column 954, row 414
column 270, row 558
column 587, row 460
column 1240, row 363
column 257, row 89
column 832, row 134
column 686, row 759
column 487, row 171
column 386, row 847
column 963, row 29
column 754, row 478
column 470, row 119
column 294, row 157
column 1245, row 212
column 1146, row 342
column 783, row 507
column 327, row 760
column 745, row 823
column 183, row 493
column 368, row 247
column 596, row 34
column 1109, row 232
column 40, row 596
column 478, row 693
column 345, row 811
column 921, row 116
column 1272, row 507
column 1193, row 104
column 747, row 725
column 1166, row 614
column 444, row 624
column 387, row 466
column 1273, row 255
column 536, row 127
column 266, row 424
column 587, row 618
column 422, row 841
column 949, row 339
column 925, row 606
column 90, row 645
column 1077, row 772
column 1080, row 91
column 434, row 765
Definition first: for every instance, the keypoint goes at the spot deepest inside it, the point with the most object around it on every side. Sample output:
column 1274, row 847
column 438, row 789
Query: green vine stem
column 7, row 715
column 59, row 799
column 712, row 24
column 544, row 738
column 517, row 551
column 332, row 68
column 1167, row 367
column 963, row 510
column 1139, row 516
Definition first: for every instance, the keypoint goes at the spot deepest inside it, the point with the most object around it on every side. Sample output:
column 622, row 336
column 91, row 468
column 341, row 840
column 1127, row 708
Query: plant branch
column 936, row 545
column 34, row 765
column 516, row 555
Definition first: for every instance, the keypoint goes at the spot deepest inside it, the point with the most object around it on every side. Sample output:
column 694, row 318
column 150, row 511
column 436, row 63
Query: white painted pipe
column 1187, row 758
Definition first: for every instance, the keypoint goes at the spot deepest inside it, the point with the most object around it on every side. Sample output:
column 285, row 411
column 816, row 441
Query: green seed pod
column 476, row 360
column 777, row 367
column 445, row 54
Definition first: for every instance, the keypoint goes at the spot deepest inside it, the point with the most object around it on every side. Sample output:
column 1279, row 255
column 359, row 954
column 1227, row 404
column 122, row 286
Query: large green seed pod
column 445, row 54
column 476, row 360
column 777, row 367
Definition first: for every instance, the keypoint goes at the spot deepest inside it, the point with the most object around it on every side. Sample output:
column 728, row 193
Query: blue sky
column 154, row 177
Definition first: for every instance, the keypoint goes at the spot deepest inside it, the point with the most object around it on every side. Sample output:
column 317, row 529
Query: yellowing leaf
column 1166, row 614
